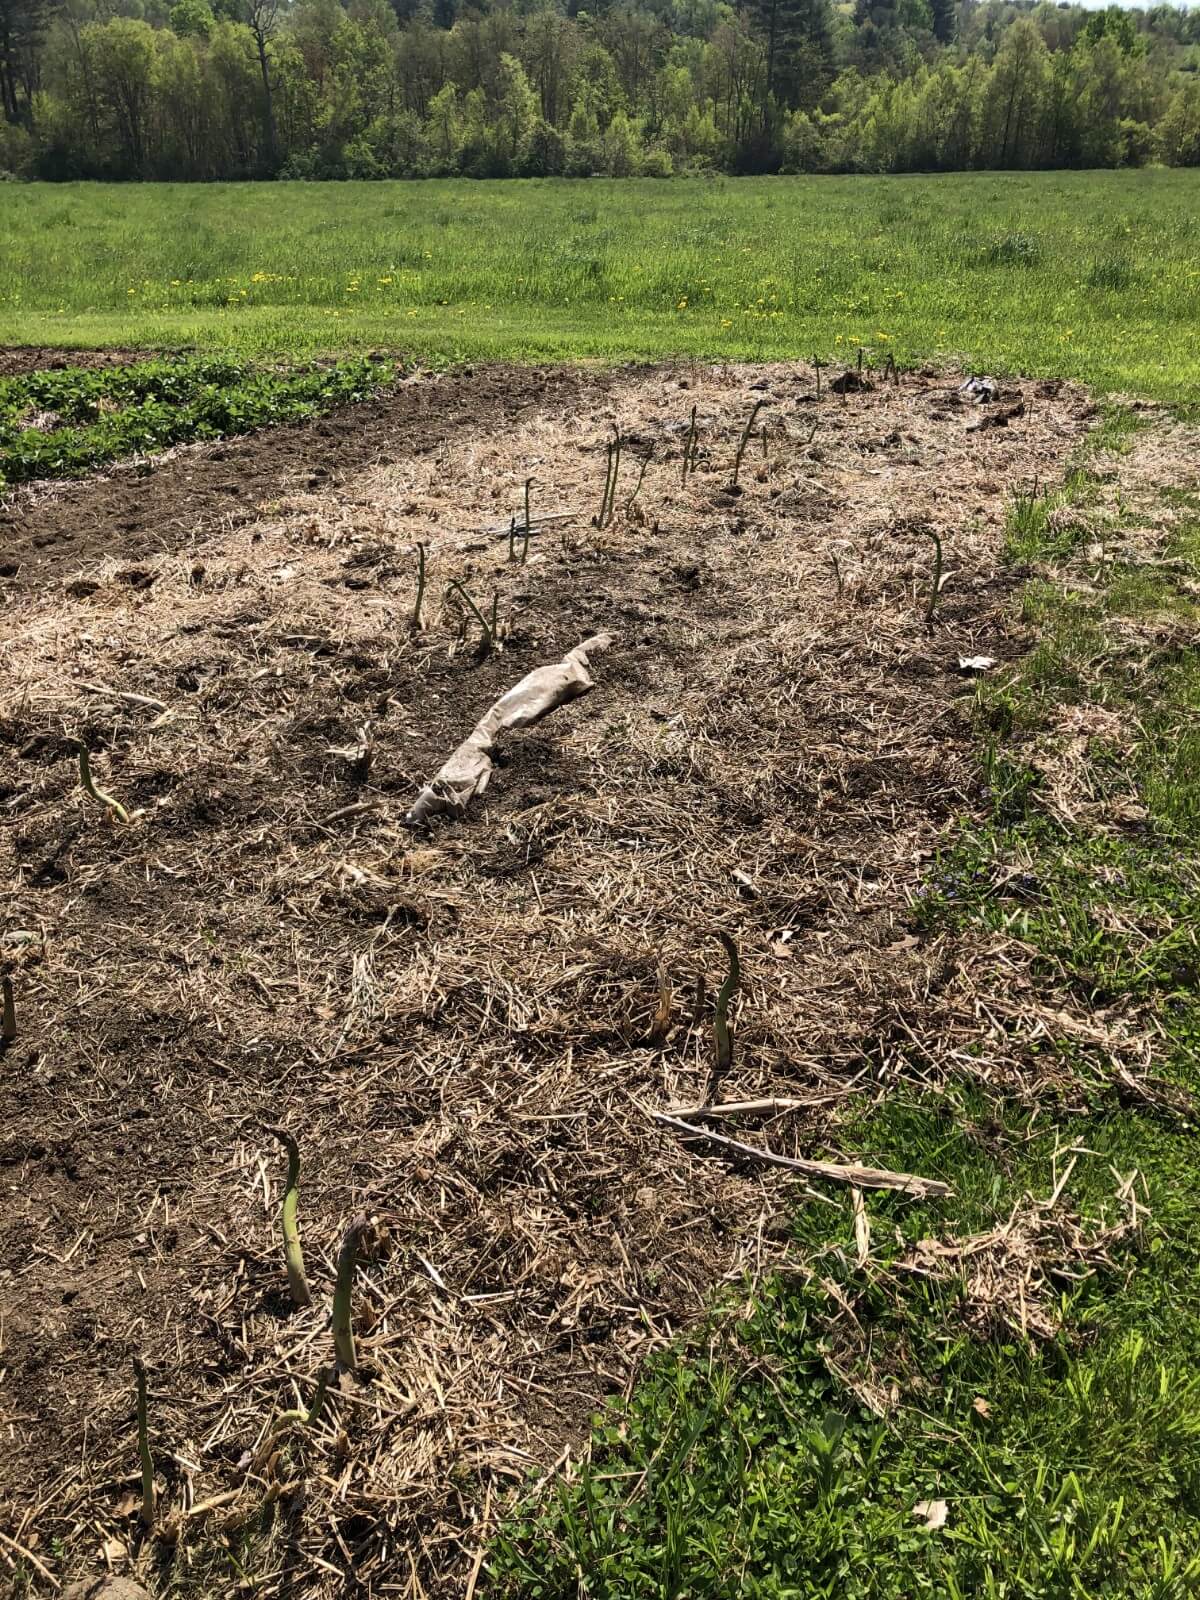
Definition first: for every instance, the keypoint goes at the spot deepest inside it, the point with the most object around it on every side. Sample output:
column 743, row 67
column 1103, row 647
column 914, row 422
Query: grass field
column 1085, row 275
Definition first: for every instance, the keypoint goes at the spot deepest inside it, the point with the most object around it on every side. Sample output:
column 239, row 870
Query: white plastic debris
column 541, row 691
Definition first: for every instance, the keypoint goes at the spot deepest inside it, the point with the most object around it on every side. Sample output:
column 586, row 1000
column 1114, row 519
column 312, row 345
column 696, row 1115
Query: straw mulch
column 467, row 1028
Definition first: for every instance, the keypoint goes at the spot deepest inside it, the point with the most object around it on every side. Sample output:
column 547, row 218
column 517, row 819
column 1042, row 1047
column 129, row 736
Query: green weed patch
column 67, row 422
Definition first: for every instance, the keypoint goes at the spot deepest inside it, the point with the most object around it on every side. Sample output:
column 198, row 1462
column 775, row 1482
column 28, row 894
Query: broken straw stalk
column 835, row 1171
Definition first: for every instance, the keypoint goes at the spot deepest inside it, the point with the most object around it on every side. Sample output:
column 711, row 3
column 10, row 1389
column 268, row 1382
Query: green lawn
column 1093, row 276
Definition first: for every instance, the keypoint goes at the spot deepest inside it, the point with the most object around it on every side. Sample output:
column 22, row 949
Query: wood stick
column 127, row 695
column 202, row 1507
column 477, row 1564
column 837, row 1172
column 740, row 1108
column 360, row 808
column 28, row 1555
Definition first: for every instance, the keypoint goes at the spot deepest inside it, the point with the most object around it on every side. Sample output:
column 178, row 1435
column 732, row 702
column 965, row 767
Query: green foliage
column 745, row 1464
column 67, row 422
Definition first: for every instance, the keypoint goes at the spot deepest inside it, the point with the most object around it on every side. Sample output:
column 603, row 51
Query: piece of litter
column 932, row 1513
column 976, row 663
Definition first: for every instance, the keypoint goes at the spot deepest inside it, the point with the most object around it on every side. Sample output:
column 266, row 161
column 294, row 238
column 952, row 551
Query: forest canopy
column 228, row 89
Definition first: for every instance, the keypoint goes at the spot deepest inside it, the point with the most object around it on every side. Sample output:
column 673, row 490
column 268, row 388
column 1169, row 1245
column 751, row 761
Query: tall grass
column 1086, row 275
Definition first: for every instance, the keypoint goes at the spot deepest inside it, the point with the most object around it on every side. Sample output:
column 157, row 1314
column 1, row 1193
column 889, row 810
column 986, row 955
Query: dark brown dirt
column 17, row 360
column 47, row 530
column 459, row 1026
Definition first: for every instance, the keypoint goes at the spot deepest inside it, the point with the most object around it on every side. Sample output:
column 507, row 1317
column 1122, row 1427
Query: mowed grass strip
column 1093, row 276
column 877, row 1428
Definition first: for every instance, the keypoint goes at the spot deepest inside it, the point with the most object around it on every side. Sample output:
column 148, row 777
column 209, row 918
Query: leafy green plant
column 100, row 415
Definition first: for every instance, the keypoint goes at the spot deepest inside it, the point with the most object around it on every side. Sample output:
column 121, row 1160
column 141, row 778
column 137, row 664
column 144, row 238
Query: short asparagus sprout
column 721, row 1030
column 936, row 586
column 837, row 573
column 8, row 1024
column 488, row 637
column 609, row 500
column 307, row 1418
column 293, row 1419
column 528, row 523
column 689, row 449
column 343, row 1330
column 745, row 440
column 292, row 1254
column 415, row 625
column 98, row 795
column 637, row 488
column 660, row 1028
column 143, row 1440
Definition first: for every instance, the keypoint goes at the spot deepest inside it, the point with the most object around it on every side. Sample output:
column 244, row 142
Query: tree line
column 225, row 89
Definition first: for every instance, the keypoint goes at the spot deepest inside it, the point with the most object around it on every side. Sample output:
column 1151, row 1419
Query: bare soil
column 458, row 1026
column 17, row 360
